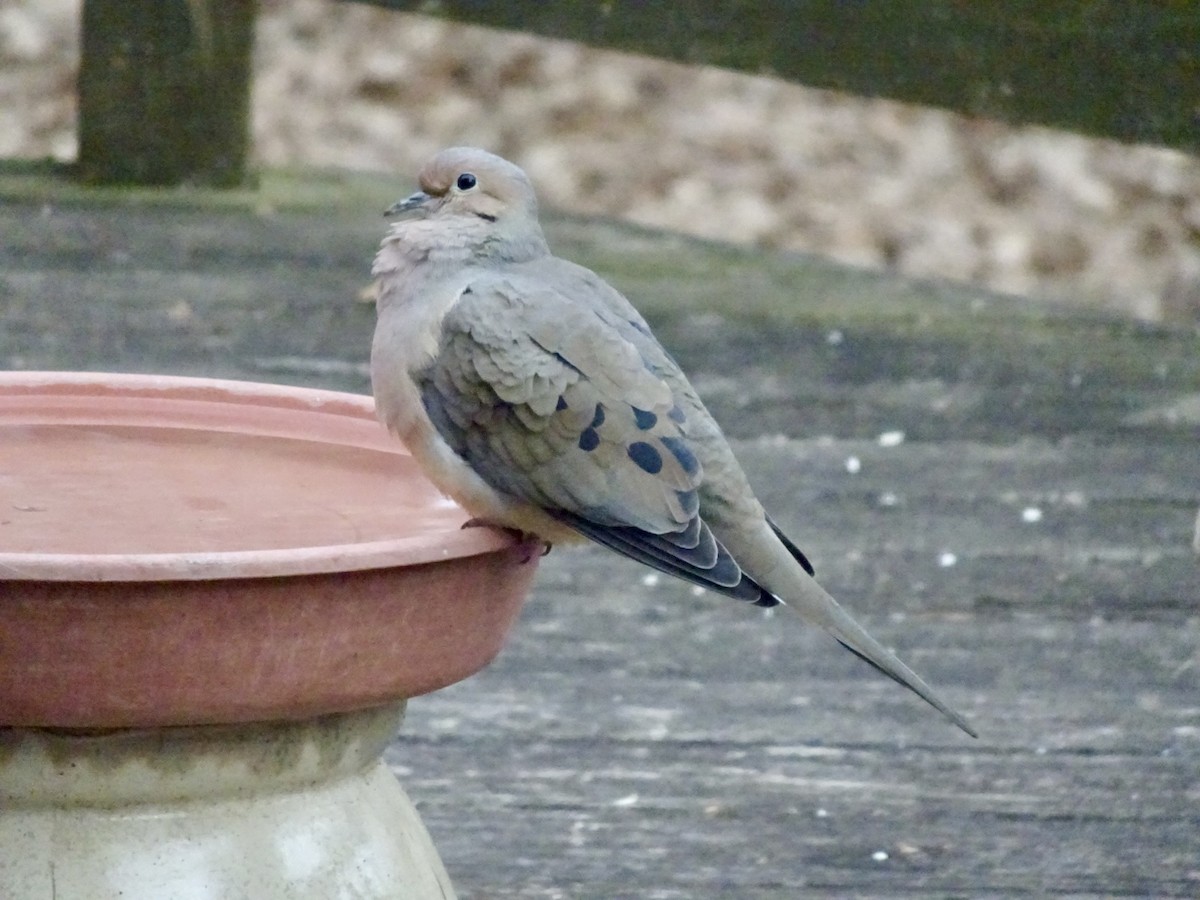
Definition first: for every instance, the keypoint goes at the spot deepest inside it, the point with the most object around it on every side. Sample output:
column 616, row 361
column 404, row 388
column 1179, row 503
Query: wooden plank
column 1129, row 71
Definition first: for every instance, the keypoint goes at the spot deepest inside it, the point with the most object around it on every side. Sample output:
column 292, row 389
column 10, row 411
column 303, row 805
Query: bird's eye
column 466, row 181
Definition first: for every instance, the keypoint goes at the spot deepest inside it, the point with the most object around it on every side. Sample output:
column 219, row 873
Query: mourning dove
column 535, row 395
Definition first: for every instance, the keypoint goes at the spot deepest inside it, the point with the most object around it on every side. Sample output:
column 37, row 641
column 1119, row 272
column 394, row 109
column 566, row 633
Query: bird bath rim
column 296, row 628
column 261, row 409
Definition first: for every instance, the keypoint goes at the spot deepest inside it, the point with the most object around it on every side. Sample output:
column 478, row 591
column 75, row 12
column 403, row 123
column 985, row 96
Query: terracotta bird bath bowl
column 215, row 599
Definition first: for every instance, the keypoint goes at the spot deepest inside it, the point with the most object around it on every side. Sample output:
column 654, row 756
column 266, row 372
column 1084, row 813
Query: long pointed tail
column 817, row 606
column 911, row 680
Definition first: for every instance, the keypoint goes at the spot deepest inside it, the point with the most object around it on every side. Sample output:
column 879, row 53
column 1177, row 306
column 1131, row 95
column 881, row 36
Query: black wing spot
column 682, row 453
column 646, row 457
column 598, row 419
column 565, row 362
column 645, row 419
column 640, row 326
column 561, row 405
column 589, row 439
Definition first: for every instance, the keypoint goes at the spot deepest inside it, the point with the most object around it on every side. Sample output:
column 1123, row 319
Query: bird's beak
column 418, row 203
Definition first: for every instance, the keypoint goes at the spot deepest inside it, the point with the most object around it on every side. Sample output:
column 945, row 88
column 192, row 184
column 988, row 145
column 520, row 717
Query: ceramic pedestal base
column 267, row 810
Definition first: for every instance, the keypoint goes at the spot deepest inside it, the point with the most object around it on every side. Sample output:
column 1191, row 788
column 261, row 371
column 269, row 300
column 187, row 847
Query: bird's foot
column 524, row 537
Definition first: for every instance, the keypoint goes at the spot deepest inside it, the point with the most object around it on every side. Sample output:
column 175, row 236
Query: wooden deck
column 1020, row 534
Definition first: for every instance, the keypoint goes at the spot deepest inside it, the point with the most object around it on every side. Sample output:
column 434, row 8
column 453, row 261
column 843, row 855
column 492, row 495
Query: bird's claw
column 522, row 537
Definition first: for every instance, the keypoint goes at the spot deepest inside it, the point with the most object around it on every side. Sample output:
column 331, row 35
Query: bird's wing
column 726, row 497
column 546, row 401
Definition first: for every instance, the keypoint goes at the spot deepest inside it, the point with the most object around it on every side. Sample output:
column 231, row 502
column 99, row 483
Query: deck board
column 636, row 739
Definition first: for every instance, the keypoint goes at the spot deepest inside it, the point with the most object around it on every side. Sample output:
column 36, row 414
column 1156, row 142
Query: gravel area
column 712, row 153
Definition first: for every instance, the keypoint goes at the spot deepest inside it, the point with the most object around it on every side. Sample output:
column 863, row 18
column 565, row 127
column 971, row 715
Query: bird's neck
column 429, row 243
column 417, row 255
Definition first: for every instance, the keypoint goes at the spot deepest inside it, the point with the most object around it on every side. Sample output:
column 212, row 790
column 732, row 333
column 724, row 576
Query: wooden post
column 164, row 91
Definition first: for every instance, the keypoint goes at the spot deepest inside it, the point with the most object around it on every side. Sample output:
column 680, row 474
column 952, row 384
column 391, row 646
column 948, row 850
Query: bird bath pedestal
column 215, row 598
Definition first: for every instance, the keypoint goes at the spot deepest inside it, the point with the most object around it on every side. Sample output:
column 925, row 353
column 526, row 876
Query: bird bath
column 215, row 599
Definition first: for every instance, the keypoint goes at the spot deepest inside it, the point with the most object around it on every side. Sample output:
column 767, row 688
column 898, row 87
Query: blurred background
column 712, row 153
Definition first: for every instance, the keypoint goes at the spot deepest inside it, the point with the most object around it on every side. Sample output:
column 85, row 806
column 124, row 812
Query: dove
column 532, row 393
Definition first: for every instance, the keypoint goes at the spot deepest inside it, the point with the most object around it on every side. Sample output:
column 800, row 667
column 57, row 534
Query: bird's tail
column 812, row 602
column 770, row 559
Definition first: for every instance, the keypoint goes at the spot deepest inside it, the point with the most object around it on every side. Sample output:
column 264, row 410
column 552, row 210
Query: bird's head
column 471, row 184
